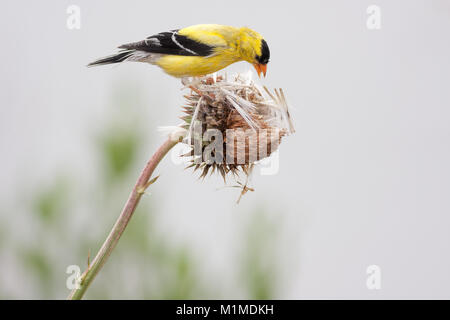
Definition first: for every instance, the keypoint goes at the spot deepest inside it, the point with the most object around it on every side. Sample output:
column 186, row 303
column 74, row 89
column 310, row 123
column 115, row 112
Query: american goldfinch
column 197, row 50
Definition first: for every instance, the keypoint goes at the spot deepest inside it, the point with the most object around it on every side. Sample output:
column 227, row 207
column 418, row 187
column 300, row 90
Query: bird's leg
column 201, row 94
column 196, row 91
column 186, row 80
column 190, row 84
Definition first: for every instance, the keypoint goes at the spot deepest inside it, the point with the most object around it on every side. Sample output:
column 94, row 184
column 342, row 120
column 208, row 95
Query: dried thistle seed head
column 232, row 124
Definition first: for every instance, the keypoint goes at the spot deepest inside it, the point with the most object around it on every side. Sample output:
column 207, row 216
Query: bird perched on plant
column 197, row 50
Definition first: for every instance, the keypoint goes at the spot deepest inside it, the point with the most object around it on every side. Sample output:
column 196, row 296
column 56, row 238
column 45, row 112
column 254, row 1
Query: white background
column 365, row 179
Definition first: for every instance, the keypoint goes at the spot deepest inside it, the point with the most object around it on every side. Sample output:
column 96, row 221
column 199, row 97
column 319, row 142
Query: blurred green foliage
column 119, row 151
column 259, row 262
column 50, row 202
column 144, row 264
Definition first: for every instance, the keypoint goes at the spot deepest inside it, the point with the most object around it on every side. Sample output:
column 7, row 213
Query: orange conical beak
column 260, row 68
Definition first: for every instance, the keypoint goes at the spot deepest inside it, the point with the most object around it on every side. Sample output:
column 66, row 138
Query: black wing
column 171, row 43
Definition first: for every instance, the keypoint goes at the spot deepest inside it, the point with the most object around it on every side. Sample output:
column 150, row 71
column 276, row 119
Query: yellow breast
column 194, row 66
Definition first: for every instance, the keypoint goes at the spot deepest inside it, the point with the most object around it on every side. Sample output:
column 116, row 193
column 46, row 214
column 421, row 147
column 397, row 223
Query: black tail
column 115, row 58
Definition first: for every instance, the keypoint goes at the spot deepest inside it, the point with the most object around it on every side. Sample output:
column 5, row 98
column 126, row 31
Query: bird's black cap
column 265, row 53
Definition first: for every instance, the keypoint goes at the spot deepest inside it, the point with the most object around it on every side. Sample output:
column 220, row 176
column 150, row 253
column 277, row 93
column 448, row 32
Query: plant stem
column 119, row 227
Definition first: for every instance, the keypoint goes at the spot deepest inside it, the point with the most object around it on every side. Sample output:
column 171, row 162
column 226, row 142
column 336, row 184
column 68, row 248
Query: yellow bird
column 197, row 50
